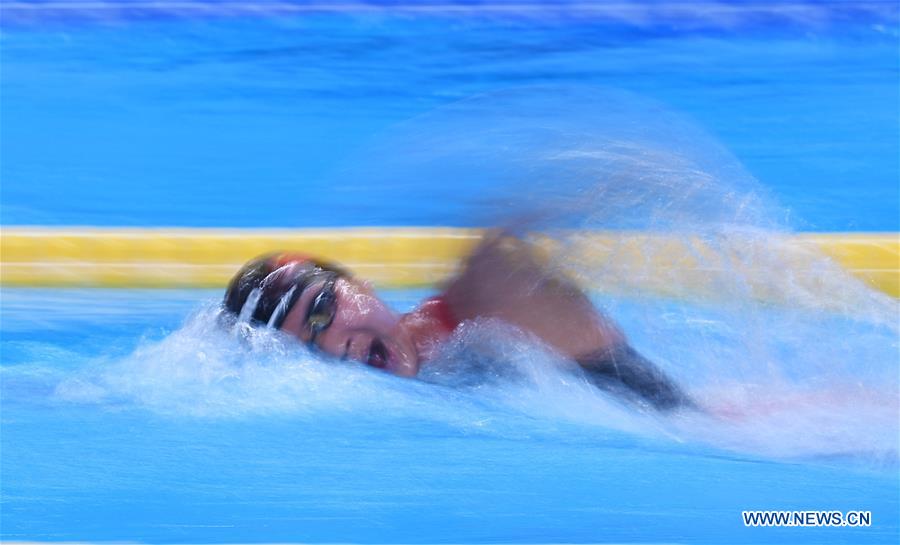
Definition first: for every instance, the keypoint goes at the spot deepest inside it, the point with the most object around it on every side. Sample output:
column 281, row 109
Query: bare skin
column 363, row 327
column 502, row 279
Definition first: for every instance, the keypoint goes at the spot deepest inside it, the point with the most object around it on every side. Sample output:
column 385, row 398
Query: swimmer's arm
column 504, row 278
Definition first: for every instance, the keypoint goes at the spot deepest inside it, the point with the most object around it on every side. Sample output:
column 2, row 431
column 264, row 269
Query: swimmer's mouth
column 378, row 355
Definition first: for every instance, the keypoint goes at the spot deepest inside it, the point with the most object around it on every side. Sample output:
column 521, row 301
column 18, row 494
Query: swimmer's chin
column 402, row 361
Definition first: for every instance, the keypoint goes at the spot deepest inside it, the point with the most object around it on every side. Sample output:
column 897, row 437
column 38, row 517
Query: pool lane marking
column 418, row 257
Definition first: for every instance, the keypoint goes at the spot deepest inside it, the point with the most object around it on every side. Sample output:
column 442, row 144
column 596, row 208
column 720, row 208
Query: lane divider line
column 404, row 257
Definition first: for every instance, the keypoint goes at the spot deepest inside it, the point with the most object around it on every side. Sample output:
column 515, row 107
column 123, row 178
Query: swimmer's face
column 352, row 324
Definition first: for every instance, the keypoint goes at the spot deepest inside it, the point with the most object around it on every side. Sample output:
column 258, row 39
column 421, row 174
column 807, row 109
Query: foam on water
column 793, row 353
column 198, row 428
column 789, row 355
column 497, row 381
column 203, row 370
column 128, row 416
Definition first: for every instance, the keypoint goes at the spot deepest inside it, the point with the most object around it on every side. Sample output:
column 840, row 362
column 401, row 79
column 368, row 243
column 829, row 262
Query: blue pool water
column 126, row 416
column 208, row 117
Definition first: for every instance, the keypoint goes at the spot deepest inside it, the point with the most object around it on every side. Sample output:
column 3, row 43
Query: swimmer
column 331, row 311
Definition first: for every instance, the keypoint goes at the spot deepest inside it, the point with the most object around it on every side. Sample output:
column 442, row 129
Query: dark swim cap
column 270, row 285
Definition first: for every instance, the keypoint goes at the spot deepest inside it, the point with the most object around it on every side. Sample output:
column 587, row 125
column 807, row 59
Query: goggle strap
column 250, row 305
column 289, row 299
column 284, row 304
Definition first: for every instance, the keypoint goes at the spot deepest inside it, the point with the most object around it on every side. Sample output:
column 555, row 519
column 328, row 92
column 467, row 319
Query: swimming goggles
column 321, row 311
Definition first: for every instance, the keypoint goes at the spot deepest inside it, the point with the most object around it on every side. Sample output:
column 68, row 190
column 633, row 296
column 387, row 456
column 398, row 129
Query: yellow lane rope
column 388, row 256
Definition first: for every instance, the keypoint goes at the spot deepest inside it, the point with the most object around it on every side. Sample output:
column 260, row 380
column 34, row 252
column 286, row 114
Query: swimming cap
column 264, row 290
